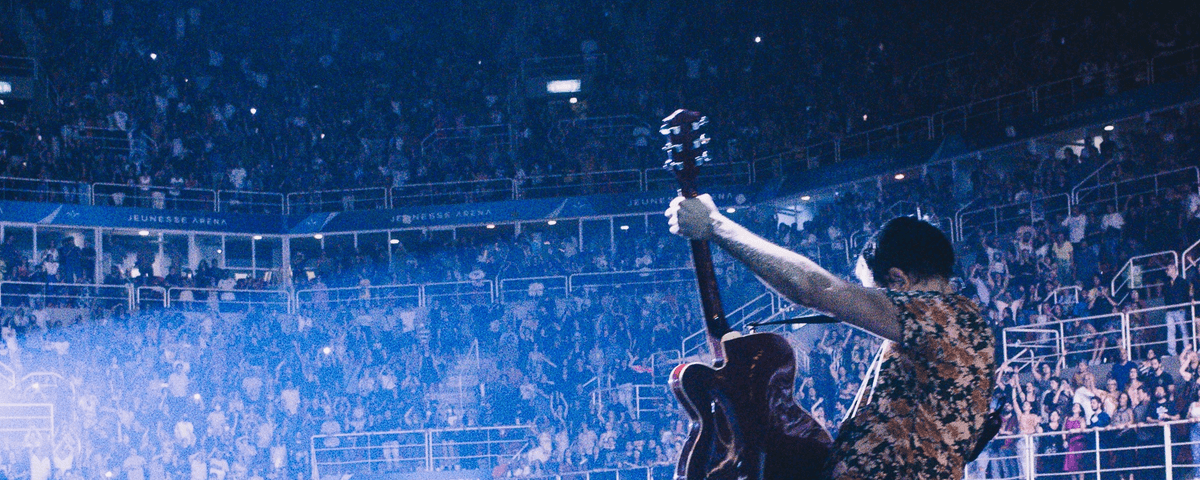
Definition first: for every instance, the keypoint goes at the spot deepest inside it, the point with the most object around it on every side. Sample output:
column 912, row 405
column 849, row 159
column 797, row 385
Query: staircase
column 459, row 387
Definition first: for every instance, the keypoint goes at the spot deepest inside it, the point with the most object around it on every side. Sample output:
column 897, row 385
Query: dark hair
column 913, row 246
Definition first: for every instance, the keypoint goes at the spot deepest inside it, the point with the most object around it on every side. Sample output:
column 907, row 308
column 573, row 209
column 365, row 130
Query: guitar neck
column 710, row 297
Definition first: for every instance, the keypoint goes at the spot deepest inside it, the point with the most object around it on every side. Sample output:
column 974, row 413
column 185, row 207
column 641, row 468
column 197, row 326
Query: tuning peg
column 700, row 123
column 700, row 142
column 703, row 158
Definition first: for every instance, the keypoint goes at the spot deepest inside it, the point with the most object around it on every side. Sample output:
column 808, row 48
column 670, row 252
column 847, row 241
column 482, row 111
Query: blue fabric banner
column 139, row 218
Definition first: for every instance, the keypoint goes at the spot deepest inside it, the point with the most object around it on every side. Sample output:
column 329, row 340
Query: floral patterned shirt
column 931, row 397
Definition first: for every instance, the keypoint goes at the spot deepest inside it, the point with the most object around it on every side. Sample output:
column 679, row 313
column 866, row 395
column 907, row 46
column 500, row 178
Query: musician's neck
column 939, row 285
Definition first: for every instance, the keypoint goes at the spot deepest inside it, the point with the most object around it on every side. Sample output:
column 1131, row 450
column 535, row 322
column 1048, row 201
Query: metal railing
column 1041, row 344
column 631, row 281
column 756, row 310
column 1132, row 275
column 653, row 472
column 1113, row 193
column 472, row 292
column 363, row 454
column 1133, row 332
column 244, row 201
column 1151, row 328
column 1064, row 295
column 575, row 184
column 500, row 135
column 228, row 300
column 38, row 295
column 408, row 296
column 339, row 200
column 638, row 399
column 1008, row 217
column 46, row 191
column 526, row 288
column 443, row 193
column 149, row 298
column 1148, row 450
column 149, row 196
column 1189, row 259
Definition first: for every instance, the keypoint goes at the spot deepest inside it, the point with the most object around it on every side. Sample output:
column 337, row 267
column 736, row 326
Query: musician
column 923, row 411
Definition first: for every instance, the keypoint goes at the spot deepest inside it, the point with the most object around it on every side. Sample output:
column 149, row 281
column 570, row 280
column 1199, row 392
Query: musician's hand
column 693, row 218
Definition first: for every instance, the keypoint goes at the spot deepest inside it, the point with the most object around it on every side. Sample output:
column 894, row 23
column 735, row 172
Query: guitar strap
column 872, row 379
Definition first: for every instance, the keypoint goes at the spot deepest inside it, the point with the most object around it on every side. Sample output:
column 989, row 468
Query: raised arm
column 792, row 275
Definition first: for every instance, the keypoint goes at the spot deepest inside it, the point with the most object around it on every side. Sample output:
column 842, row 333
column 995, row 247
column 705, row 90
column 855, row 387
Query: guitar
column 744, row 422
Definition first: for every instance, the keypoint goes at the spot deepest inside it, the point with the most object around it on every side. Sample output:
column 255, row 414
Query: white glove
column 693, row 218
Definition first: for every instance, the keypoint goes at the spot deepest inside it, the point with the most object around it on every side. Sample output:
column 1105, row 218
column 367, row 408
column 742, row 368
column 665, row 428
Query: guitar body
column 745, row 423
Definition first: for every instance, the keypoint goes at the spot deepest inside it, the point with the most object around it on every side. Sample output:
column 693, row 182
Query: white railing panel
column 577, row 184
column 473, row 292
column 150, row 298
column 241, row 201
column 532, row 288
column 453, row 193
column 149, row 196
column 44, row 191
column 339, row 200
column 38, row 295
column 382, row 296
column 1009, row 217
column 362, row 454
column 228, row 300
column 1133, row 274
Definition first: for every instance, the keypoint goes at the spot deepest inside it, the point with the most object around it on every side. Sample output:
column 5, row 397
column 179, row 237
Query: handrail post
column 1030, row 465
column 1096, row 447
column 1168, row 463
column 428, row 451
column 1126, row 337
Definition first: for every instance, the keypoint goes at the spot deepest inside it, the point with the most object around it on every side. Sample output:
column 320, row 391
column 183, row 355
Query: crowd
column 210, row 96
column 310, row 97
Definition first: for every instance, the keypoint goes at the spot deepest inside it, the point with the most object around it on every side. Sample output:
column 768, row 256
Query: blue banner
column 140, row 218
column 406, row 218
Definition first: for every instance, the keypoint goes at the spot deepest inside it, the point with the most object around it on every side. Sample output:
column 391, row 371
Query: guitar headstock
column 687, row 147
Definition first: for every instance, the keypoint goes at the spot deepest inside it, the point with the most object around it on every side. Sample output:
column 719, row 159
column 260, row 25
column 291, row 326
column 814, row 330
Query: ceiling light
column 552, row 222
column 318, row 236
column 899, row 176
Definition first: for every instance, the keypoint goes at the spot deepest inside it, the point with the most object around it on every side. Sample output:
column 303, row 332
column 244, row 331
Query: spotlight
column 108, row 474
column 253, row 111
column 394, row 241
column 552, row 222
column 624, row 227
column 327, row 350
column 196, row 397
column 257, row 237
column 154, row 56
column 491, row 226
column 322, row 136
column 574, row 100
column 805, row 198
column 864, row 118
column 899, row 176
column 757, row 39
column 730, row 210
column 144, row 233
column 318, row 236
column 1108, row 128
column 220, row 251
